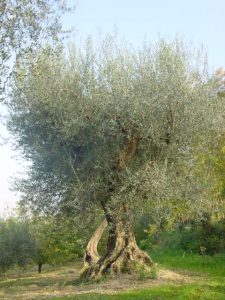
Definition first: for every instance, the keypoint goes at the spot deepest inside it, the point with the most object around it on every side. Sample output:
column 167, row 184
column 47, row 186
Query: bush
column 201, row 237
column 205, row 238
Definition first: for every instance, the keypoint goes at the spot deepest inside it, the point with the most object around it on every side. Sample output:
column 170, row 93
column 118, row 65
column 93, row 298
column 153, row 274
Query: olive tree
column 56, row 240
column 16, row 243
column 112, row 127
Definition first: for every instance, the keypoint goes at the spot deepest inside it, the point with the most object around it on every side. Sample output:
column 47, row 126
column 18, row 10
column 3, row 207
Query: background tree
column 24, row 25
column 56, row 241
column 16, row 243
column 114, row 128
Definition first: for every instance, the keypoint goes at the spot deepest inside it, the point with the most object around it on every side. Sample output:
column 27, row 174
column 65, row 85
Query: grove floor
column 64, row 283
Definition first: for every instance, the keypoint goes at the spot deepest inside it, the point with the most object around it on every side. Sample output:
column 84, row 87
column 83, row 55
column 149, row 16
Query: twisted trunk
column 122, row 253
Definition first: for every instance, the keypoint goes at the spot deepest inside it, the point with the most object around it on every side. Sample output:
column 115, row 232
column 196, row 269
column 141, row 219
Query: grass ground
column 179, row 277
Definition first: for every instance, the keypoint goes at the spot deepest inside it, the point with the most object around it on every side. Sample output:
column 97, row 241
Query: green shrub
column 198, row 236
column 144, row 274
column 154, row 272
column 205, row 238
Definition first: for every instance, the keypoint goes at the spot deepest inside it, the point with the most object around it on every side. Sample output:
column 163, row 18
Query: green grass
column 209, row 282
column 212, row 265
column 187, row 292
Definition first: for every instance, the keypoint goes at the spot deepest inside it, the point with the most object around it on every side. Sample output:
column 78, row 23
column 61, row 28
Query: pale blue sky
column 199, row 22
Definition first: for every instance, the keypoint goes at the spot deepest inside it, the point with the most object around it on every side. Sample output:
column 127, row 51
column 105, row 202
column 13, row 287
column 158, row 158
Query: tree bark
column 39, row 267
column 122, row 254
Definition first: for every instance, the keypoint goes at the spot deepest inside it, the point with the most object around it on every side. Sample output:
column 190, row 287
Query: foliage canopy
column 111, row 124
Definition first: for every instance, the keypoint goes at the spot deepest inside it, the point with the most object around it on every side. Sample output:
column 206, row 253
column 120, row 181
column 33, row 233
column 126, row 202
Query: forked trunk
column 122, row 255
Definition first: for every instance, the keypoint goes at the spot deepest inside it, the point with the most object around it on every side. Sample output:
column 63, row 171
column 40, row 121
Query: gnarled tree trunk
column 122, row 254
